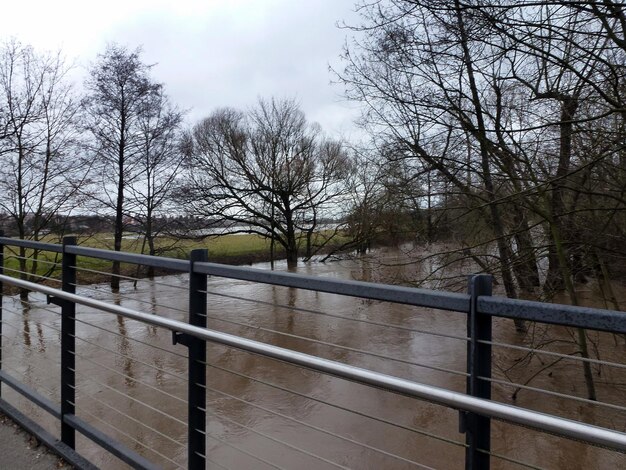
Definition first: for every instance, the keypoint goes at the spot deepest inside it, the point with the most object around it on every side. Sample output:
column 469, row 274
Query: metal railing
column 475, row 406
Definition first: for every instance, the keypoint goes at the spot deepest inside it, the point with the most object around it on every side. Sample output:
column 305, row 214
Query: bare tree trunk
column 605, row 283
column 272, row 240
column 150, row 239
column 23, row 273
column 504, row 248
column 292, row 245
column 152, row 251
column 582, row 337
column 555, row 279
column 525, row 266
column 429, row 213
column 119, row 208
column 309, row 237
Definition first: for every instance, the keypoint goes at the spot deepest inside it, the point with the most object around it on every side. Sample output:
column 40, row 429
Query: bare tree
column 41, row 166
column 117, row 89
column 495, row 97
column 418, row 70
column 266, row 172
column 159, row 160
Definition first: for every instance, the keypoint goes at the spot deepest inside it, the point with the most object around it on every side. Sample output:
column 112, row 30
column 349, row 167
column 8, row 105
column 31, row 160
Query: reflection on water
column 26, row 322
column 261, row 413
column 124, row 349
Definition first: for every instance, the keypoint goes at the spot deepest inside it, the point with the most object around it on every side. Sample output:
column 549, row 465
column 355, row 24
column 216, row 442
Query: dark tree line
column 519, row 109
column 515, row 110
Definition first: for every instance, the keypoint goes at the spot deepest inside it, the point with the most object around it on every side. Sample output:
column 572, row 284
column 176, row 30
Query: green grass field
column 232, row 249
column 227, row 245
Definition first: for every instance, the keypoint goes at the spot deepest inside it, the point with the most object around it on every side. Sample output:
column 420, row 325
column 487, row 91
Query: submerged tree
column 267, row 172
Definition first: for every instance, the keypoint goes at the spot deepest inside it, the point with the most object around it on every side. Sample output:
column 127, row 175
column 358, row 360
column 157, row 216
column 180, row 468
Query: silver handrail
column 541, row 421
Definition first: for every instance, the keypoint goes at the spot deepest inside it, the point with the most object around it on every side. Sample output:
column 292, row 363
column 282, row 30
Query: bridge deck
column 20, row 450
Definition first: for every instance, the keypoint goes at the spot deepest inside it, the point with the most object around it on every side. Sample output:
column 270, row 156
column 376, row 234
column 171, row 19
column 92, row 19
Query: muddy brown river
column 263, row 414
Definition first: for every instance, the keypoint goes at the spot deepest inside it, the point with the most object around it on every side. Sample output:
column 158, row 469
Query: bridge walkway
column 20, row 450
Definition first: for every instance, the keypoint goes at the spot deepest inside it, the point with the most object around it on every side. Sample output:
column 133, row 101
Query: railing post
column 478, row 428
column 68, row 346
column 1, row 300
column 196, row 449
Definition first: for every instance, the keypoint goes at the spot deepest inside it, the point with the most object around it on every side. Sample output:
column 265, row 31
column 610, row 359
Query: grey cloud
column 283, row 50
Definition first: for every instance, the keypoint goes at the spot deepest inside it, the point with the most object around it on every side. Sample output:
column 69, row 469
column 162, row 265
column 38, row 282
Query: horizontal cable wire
column 274, row 439
column 243, row 451
column 130, row 278
column 555, row 394
column 339, row 407
column 37, row 378
column 39, row 306
column 4, row 322
column 311, row 426
column 130, row 338
column 32, row 260
column 33, row 306
column 332, row 315
column 509, row 459
column 125, row 434
column 21, row 343
column 269, row 437
column 373, row 354
column 54, row 328
column 555, row 354
column 105, row 273
column 119, row 354
column 135, row 420
column 345, row 348
column 34, row 380
column 212, row 461
column 106, row 289
column 32, row 275
column 126, row 376
column 18, row 328
column 133, row 299
column 92, row 380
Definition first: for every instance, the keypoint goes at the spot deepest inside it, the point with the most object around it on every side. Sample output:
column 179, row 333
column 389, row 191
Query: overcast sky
column 209, row 53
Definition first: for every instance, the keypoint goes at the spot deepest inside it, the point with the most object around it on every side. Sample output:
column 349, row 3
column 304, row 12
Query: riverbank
column 237, row 249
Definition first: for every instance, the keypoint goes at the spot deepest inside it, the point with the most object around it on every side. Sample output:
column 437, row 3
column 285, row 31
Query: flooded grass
column 236, row 249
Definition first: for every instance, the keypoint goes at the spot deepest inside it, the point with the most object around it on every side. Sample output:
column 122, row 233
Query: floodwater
column 262, row 413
